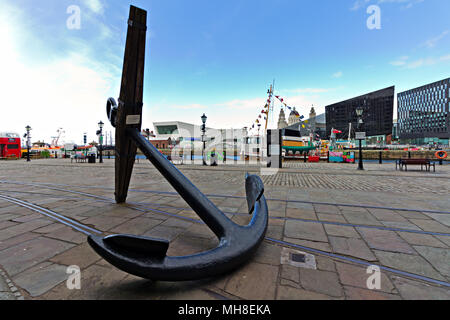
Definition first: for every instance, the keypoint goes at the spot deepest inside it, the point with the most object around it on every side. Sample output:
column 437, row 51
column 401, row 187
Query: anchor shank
column 206, row 210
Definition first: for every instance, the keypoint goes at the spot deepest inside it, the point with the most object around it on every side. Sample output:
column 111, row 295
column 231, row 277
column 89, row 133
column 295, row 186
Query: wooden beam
column 129, row 113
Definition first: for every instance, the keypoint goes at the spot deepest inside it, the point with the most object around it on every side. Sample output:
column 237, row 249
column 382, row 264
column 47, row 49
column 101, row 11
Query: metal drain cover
column 298, row 259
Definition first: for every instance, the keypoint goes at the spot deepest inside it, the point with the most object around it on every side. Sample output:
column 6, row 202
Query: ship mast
column 269, row 102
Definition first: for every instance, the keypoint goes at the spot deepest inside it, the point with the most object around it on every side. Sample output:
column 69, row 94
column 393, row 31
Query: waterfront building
column 377, row 117
column 282, row 123
column 423, row 114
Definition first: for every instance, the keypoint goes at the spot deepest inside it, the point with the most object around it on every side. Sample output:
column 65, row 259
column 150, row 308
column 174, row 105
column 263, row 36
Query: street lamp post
column 359, row 113
column 204, row 117
column 100, row 125
column 28, row 128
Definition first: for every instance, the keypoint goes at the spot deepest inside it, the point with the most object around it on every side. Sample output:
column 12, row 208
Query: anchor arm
column 206, row 210
column 146, row 257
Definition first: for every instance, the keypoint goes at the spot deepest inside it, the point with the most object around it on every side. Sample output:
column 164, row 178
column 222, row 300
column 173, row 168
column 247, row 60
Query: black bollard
column 381, row 157
column 328, row 157
column 304, row 154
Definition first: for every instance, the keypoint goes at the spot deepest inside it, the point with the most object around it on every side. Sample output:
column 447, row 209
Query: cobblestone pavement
column 315, row 211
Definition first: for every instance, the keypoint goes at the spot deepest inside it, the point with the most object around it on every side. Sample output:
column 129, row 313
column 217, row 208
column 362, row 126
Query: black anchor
column 146, row 257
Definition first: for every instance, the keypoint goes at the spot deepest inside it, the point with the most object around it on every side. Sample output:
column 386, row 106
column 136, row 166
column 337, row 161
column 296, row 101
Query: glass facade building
column 423, row 113
column 377, row 117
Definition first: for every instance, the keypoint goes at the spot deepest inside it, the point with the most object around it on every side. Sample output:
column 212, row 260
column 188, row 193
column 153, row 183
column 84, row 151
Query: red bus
column 10, row 145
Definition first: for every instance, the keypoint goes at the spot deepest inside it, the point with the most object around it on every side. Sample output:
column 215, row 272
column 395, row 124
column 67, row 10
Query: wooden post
column 129, row 114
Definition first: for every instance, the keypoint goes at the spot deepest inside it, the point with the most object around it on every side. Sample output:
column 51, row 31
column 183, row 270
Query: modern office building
column 377, row 117
column 423, row 114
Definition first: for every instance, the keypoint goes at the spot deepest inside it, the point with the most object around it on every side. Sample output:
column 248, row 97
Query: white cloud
column 404, row 62
column 407, row 4
column 94, row 5
column 338, row 74
column 433, row 41
column 68, row 92
column 307, row 90
column 400, row 61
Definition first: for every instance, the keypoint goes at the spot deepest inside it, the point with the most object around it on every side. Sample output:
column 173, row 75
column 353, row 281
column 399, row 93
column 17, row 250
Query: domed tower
column 282, row 120
column 294, row 117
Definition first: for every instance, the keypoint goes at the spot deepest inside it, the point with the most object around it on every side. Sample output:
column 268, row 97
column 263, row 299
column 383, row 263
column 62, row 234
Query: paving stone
column 82, row 256
column 438, row 257
column 409, row 263
column 290, row 293
column 3, row 285
column 361, row 218
column 324, row 246
column 331, row 218
column 326, row 264
column 167, row 233
column 415, row 290
column 421, row 239
column 136, row 226
column 184, row 245
column 413, row 215
column 67, row 234
column 341, row 231
column 27, row 254
column 7, row 296
column 7, row 224
column 328, row 209
column 28, row 217
column 199, row 231
column 364, row 294
column 401, row 225
column 275, row 232
column 16, row 240
column 290, row 273
column 23, row 228
column 356, row 276
column 40, row 279
column 387, row 215
column 176, row 223
column 50, row 228
column 299, row 205
column 305, row 230
column 324, row 282
column 430, row 225
column 444, row 239
column 352, row 247
column 268, row 254
column 104, row 223
column 97, row 283
column 441, row 218
column 255, row 281
column 385, row 240
column 300, row 214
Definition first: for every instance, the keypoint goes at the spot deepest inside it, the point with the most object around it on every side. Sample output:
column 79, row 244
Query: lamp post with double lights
column 28, row 128
column 204, row 117
column 359, row 113
column 100, row 139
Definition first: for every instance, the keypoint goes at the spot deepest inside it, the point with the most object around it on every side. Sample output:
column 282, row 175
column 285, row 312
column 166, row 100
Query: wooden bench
column 415, row 162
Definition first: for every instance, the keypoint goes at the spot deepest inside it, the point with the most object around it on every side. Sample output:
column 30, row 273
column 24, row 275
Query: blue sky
column 213, row 57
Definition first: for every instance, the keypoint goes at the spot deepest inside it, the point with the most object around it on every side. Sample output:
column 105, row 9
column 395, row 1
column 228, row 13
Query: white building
column 187, row 135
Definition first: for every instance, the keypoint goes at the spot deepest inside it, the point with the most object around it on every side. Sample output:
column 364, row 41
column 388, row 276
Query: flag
column 337, row 131
column 303, row 126
column 302, row 117
column 306, row 121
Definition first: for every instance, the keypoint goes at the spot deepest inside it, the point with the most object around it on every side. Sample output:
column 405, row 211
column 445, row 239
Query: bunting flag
column 303, row 126
column 337, row 131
